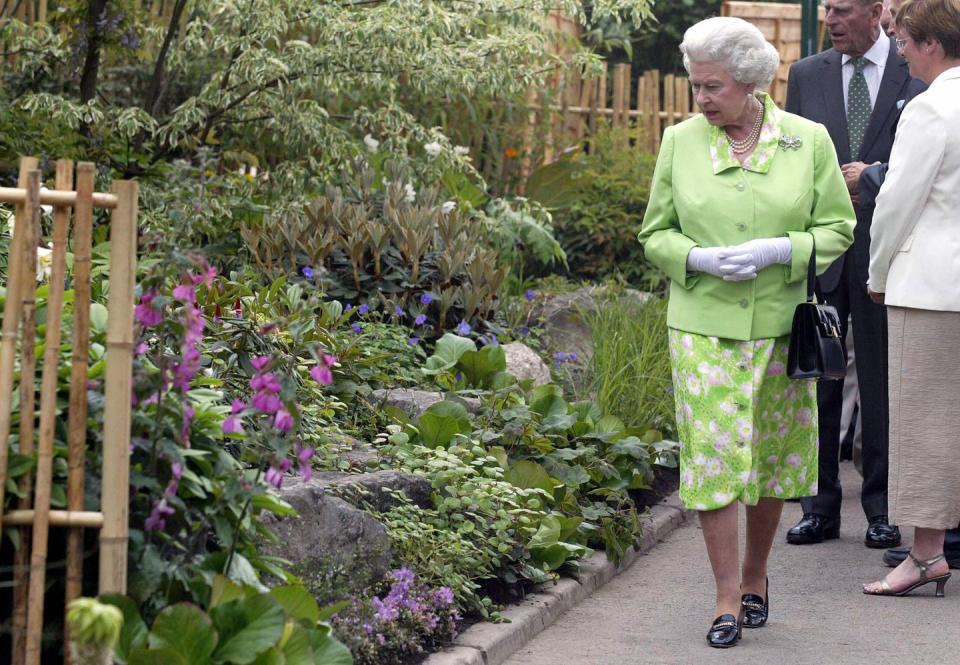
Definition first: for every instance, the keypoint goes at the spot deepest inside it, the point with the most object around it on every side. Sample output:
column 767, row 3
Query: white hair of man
column 734, row 44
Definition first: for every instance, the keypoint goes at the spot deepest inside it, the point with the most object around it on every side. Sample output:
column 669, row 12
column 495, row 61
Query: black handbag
column 816, row 350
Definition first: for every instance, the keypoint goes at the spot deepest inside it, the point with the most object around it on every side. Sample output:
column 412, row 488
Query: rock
column 335, row 547
column 415, row 402
column 416, row 488
column 524, row 363
column 358, row 454
column 566, row 317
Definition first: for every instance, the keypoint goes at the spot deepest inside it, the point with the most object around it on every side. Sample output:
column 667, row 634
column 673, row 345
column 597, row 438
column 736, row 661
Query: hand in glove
column 764, row 252
column 722, row 262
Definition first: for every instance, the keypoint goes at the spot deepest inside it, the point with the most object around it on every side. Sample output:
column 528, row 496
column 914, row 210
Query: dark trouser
column 870, row 340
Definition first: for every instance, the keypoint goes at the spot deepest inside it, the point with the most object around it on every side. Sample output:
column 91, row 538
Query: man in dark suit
column 853, row 89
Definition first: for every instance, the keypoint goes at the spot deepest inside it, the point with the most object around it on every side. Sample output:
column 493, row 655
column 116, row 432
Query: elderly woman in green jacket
column 741, row 196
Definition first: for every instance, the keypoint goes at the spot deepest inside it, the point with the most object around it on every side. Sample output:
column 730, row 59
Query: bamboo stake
column 655, row 88
column 586, row 92
column 77, row 415
column 12, row 309
column 48, row 401
column 42, row 14
column 669, row 99
column 38, row 555
column 641, row 114
column 68, row 518
column 116, row 423
column 55, row 198
column 617, row 96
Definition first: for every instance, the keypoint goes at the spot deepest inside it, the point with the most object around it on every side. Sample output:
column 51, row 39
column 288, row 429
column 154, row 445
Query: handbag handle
column 812, row 272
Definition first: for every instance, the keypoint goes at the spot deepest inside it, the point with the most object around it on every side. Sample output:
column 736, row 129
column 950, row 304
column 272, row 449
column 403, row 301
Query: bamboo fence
column 34, row 518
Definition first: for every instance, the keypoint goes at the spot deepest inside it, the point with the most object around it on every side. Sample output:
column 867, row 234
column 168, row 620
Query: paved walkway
column 658, row 610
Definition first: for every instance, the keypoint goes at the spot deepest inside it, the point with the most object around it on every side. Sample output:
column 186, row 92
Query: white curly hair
column 734, row 44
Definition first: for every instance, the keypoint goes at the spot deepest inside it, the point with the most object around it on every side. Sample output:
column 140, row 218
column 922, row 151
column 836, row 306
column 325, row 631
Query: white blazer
column 915, row 235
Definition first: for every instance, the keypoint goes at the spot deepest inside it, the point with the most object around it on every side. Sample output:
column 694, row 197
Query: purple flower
column 157, row 519
column 206, row 275
column 265, row 382
column 232, row 425
column 560, row 356
column 364, row 308
column 322, row 375
column 308, row 272
column 283, row 420
column 142, row 348
column 274, row 474
column 426, row 298
column 185, row 293
column 398, row 310
column 260, row 362
column 237, row 406
column 413, row 341
column 420, row 320
column 572, row 356
column 464, row 328
column 146, row 313
column 443, row 595
column 266, row 402
column 357, row 328
column 303, row 459
column 530, row 294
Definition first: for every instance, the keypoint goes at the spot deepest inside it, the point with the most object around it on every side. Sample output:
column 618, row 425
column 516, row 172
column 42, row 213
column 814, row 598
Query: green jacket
column 701, row 196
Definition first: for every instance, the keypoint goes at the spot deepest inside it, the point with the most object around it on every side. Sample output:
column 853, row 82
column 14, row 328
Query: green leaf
column 554, row 185
column 98, row 318
column 442, row 421
column 262, row 629
column 548, row 401
column 297, row 603
column 185, row 630
column 159, row 657
column 274, row 504
column 447, row 353
column 479, row 367
column 225, row 591
column 133, row 635
column 297, row 649
column 612, row 424
column 527, row 474
column 547, row 534
column 327, row 650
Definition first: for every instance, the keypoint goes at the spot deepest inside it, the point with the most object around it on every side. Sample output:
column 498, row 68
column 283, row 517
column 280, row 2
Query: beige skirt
column 924, row 487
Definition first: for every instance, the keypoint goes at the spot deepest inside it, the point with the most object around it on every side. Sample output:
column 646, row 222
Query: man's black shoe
column 880, row 534
column 813, row 528
column 895, row 556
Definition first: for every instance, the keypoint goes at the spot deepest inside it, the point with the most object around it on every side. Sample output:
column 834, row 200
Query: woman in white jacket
column 915, row 271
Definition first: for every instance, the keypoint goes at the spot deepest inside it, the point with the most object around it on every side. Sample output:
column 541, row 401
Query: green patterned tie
column 858, row 106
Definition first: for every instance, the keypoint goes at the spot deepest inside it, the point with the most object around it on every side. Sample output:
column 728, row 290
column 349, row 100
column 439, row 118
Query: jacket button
column 740, row 186
column 744, row 303
column 741, row 227
column 741, row 406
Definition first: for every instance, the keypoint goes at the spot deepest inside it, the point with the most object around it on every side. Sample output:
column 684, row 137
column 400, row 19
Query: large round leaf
column 185, row 630
column 527, row 474
column 447, row 352
column 441, row 422
column 248, row 628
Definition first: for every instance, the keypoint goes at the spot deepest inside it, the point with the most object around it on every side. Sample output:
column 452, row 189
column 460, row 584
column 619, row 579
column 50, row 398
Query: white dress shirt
column 872, row 71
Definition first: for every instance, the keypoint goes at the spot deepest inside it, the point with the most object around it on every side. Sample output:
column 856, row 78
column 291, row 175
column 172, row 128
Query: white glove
column 765, row 252
column 722, row 262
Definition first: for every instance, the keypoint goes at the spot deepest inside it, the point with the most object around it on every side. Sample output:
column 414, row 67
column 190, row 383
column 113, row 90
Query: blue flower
column 413, row 341
column 420, row 320
column 398, row 310
column 348, row 308
column 464, row 328
column 530, row 294
column 426, row 298
column 523, row 331
column 364, row 308
column 572, row 357
column 560, row 356
column 357, row 328
column 308, row 272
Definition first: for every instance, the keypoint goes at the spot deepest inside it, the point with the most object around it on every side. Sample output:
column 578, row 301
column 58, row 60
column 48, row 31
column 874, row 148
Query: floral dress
column 746, row 430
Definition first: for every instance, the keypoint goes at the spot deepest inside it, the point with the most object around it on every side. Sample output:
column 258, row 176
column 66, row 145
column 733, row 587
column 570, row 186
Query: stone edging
column 494, row 643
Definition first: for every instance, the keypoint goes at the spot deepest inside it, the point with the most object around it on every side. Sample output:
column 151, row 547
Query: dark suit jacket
column 815, row 91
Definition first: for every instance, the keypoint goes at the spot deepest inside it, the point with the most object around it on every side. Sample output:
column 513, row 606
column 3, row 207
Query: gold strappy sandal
column 922, row 566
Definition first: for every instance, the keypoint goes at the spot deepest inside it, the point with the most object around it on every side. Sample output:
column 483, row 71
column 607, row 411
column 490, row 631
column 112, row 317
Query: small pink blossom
column 322, row 375
column 274, row 475
column 232, row 425
column 185, row 293
column 283, row 421
column 260, row 362
column 265, row 382
column 146, row 314
column 206, row 276
column 266, row 402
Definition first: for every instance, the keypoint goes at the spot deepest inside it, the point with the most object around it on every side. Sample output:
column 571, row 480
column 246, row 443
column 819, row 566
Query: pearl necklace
column 740, row 147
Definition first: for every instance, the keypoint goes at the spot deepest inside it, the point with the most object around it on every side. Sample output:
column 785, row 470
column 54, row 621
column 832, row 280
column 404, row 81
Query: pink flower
column 260, row 362
column 274, row 474
column 266, row 402
column 185, row 293
column 157, row 519
column 146, row 314
column 206, row 276
column 232, row 425
column 283, row 421
column 237, row 406
column 304, row 468
column 322, row 375
column 141, row 349
column 328, row 359
column 265, row 382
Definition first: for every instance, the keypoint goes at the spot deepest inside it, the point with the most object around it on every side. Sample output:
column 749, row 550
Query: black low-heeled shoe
column 725, row 631
column 755, row 609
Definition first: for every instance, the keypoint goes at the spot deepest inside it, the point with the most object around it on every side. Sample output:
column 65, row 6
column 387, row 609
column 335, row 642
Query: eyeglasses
column 901, row 44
